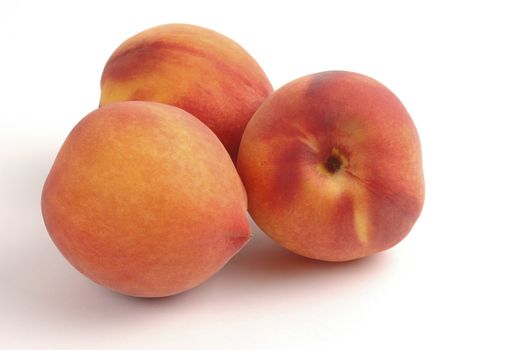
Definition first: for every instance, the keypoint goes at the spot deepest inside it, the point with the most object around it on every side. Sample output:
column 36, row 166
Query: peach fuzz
column 194, row 68
column 332, row 167
column 144, row 199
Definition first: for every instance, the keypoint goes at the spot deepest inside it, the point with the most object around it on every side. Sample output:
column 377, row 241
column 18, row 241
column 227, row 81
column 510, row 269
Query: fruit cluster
column 148, row 195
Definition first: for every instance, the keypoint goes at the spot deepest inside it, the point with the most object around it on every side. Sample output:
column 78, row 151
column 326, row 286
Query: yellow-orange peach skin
column 144, row 199
column 196, row 69
column 332, row 167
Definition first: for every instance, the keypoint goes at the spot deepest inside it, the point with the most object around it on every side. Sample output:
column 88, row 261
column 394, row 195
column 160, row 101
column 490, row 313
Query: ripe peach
column 332, row 167
column 144, row 199
column 196, row 69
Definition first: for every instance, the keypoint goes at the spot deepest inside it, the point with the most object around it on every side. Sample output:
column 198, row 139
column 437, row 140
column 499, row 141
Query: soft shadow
column 44, row 289
column 46, row 292
column 40, row 286
column 263, row 261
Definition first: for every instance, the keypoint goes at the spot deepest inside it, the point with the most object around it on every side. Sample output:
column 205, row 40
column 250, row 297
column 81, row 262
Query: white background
column 457, row 281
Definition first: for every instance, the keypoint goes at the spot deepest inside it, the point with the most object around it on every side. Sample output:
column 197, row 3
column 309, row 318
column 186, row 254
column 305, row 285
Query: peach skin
column 144, row 199
column 332, row 167
column 194, row 68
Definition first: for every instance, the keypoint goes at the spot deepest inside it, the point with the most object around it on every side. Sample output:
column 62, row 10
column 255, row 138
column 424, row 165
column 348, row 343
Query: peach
column 332, row 167
column 144, row 199
column 196, row 69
